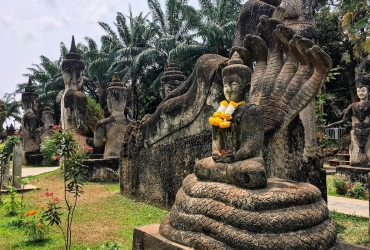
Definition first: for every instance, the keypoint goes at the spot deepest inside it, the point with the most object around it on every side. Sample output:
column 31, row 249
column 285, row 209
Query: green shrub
column 49, row 149
column 94, row 113
column 357, row 191
column 12, row 203
column 338, row 183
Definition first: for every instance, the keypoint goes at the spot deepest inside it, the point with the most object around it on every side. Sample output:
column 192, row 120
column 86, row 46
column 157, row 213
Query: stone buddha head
column 72, row 68
column 362, row 85
column 236, row 79
column 47, row 116
column 29, row 97
column 116, row 96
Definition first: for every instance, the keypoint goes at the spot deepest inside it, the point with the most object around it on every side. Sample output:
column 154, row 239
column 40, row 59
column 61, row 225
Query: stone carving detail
column 74, row 102
column 171, row 79
column 46, row 130
column 30, row 121
column 359, row 114
column 228, row 203
column 112, row 130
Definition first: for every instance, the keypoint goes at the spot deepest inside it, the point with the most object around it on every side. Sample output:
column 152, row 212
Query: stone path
column 349, row 206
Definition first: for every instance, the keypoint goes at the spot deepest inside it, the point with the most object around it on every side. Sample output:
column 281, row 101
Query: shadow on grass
column 33, row 243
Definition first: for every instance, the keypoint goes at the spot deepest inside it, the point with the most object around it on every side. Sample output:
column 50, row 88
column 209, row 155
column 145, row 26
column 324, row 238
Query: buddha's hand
column 224, row 157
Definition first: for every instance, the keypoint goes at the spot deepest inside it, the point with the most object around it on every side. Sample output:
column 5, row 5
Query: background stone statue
column 111, row 131
column 359, row 114
column 171, row 79
column 30, row 121
column 46, row 129
column 74, row 102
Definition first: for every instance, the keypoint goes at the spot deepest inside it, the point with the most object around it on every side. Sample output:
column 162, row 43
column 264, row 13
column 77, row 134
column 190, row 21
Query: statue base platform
column 147, row 237
column 282, row 215
column 353, row 174
column 33, row 159
column 98, row 169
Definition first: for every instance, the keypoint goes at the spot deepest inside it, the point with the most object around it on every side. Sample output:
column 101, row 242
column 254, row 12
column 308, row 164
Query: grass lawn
column 103, row 215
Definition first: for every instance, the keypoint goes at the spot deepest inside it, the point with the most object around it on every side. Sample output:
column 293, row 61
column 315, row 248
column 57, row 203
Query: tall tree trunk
column 134, row 97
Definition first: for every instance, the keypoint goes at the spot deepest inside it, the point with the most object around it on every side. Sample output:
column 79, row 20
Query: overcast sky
column 30, row 28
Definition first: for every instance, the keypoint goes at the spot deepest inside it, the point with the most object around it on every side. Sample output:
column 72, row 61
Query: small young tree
column 74, row 174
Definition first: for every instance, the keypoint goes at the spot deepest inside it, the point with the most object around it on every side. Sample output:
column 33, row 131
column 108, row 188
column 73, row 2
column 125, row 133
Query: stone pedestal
column 6, row 176
column 283, row 215
column 33, row 158
column 97, row 169
column 148, row 238
column 354, row 174
column 17, row 166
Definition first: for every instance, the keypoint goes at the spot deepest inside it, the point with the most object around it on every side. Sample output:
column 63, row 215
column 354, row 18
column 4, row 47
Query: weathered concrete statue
column 228, row 203
column 359, row 114
column 46, row 130
column 111, row 130
column 74, row 102
column 30, row 121
column 171, row 79
column 237, row 134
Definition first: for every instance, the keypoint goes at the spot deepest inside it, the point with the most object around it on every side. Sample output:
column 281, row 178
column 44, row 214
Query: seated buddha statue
column 237, row 134
column 112, row 130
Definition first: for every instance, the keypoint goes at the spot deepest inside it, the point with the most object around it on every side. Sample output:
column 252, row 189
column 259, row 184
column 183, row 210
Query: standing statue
column 112, row 130
column 30, row 121
column 46, row 130
column 74, row 102
column 359, row 113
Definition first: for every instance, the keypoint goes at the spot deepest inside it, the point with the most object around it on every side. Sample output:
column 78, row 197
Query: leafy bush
column 94, row 113
column 12, row 202
column 48, row 149
column 338, row 183
column 35, row 227
column 357, row 191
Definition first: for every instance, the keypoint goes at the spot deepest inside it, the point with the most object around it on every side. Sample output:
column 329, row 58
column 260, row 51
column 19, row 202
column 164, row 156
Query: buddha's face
column 234, row 88
column 73, row 78
column 363, row 93
column 115, row 105
column 47, row 118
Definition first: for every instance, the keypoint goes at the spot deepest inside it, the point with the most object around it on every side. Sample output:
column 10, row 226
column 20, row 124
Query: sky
column 31, row 28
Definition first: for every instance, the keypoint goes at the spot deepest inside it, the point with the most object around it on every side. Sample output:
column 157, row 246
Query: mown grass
column 351, row 228
column 102, row 215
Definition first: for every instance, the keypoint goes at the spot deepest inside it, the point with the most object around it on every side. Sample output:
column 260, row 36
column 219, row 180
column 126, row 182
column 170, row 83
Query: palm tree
column 134, row 36
column 9, row 108
column 48, row 80
column 96, row 76
column 215, row 28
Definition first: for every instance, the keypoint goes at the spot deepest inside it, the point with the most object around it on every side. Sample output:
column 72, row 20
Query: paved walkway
column 36, row 171
column 339, row 204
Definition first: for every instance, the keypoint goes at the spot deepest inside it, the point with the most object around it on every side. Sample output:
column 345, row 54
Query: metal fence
column 334, row 133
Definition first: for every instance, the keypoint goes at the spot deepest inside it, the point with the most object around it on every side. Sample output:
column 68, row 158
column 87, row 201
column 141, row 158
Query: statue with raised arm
column 111, row 131
column 30, row 121
column 359, row 114
column 74, row 102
